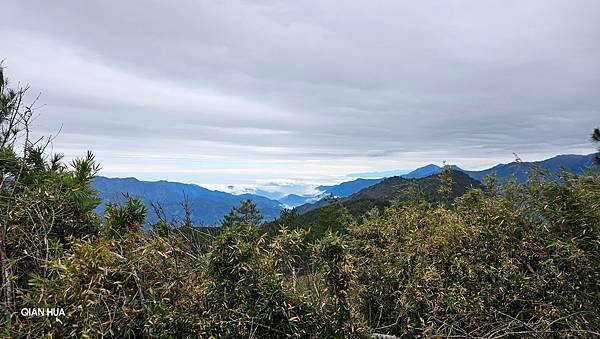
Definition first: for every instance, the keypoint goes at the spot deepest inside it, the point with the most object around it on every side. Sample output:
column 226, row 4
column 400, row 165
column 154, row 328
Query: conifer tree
column 596, row 138
column 446, row 182
column 44, row 203
column 126, row 218
column 247, row 214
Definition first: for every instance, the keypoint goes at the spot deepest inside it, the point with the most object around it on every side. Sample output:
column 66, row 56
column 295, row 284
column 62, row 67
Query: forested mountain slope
column 208, row 207
column 572, row 163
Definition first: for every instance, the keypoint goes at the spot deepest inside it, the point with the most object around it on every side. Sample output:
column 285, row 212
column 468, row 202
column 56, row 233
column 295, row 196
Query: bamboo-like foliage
column 522, row 261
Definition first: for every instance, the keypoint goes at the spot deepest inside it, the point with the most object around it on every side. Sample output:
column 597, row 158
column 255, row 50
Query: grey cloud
column 363, row 83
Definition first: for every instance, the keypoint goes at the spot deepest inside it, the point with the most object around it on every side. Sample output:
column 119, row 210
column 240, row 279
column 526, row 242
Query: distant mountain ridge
column 573, row 163
column 399, row 187
column 208, row 207
column 382, row 193
column 423, row 172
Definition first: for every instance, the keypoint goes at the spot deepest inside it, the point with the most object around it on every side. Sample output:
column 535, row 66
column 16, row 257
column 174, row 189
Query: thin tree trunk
column 7, row 287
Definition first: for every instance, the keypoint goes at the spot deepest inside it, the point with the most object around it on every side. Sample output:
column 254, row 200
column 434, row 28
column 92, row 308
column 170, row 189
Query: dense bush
column 521, row 261
column 43, row 201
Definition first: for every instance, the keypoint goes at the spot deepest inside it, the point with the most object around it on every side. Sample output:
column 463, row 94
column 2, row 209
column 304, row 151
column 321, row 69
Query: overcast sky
column 299, row 93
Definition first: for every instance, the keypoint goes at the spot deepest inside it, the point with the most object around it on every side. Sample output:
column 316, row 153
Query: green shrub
column 525, row 261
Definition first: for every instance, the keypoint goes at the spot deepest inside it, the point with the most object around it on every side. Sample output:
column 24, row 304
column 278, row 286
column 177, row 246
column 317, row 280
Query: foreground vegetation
column 499, row 261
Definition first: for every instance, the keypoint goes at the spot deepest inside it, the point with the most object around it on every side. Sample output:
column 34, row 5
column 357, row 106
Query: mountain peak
column 424, row 171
